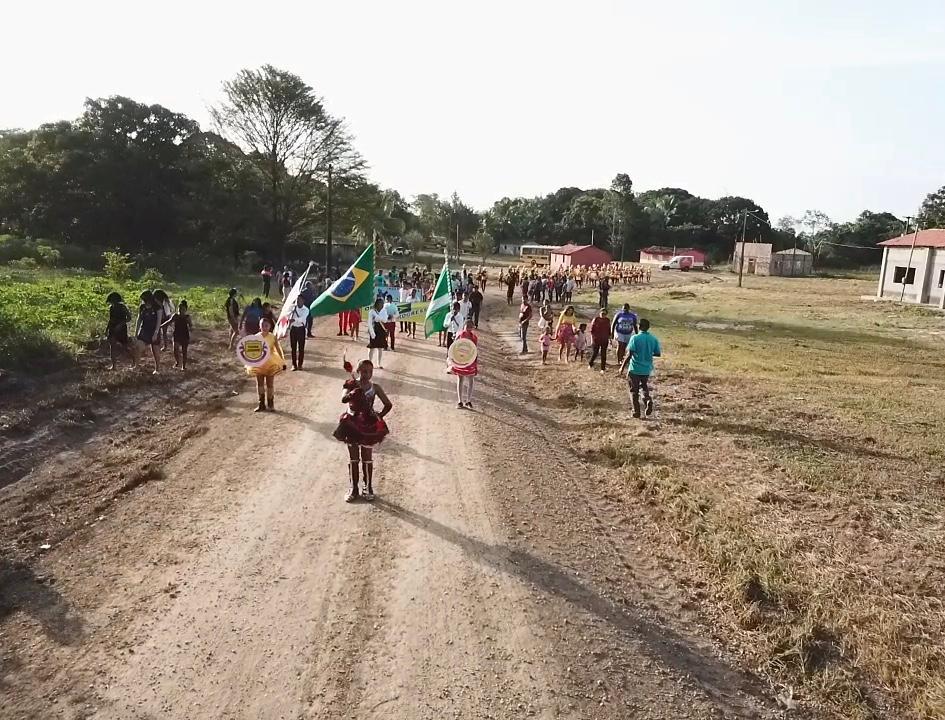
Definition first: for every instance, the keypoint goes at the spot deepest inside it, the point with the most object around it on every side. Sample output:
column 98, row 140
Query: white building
column 510, row 247
column 913, row 268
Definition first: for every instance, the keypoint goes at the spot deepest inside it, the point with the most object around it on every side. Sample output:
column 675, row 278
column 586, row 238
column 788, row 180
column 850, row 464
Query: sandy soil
column 490, row 579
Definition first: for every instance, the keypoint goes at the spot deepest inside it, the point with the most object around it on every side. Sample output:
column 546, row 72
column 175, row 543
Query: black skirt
column 379, row 341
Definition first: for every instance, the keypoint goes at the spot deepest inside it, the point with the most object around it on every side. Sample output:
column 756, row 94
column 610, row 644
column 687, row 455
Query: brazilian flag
column 352, row 291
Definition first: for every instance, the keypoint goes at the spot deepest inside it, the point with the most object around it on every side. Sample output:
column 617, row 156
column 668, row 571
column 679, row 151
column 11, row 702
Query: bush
column 49, row 256
column 24, row 263
column 28, row 348
column 118, row 266
column 152, row 278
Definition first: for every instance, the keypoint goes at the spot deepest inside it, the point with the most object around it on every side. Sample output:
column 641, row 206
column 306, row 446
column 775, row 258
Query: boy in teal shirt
column 641, row 350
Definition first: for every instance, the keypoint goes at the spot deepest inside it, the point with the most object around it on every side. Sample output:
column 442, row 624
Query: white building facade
column 913, row 268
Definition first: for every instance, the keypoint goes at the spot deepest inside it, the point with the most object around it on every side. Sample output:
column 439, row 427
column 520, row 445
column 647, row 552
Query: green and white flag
column 439, row 306
column 351, row 291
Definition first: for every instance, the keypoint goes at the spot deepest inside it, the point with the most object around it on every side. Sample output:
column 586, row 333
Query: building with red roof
column 913, row 268
column 570, row 255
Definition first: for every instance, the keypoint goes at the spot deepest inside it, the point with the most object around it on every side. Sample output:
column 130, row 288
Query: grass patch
column 48, row 319
column 805, row 424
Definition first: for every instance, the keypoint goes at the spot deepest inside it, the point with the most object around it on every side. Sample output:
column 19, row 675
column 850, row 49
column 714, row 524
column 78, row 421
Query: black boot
column 262, row 405
column 270, row 404
column 353, row 490
column 368, row 467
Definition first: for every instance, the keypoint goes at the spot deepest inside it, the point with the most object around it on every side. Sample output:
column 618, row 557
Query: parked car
column 400, row 251
column 679, row 262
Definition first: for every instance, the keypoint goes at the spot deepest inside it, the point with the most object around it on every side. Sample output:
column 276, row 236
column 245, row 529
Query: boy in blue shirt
column 623, row 328
column 641, row 350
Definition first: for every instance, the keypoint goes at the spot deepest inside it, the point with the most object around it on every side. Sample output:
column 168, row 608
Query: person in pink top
column 466, row 374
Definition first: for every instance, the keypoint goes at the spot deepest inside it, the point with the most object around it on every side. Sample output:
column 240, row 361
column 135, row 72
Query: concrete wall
column 757, row 258
column 929, row 263
column 789, row 265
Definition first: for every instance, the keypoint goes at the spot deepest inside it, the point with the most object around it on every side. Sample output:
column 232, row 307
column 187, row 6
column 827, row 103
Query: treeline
column 145, row 180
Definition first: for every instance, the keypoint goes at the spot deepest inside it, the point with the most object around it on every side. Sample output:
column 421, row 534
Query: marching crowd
column 159, row 322
column 585, row 342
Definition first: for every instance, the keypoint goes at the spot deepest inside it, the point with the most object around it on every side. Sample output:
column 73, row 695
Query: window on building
column 941, row 278
column 900, row 273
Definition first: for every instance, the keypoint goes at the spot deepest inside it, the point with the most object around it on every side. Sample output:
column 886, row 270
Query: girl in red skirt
column 360, row 428
column 466, row 374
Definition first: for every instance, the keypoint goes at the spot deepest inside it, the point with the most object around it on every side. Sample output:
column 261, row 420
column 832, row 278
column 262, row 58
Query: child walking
column 182, row 329
column 265, row 375
column 354, row 324
column 580, row 342
column 545, row 341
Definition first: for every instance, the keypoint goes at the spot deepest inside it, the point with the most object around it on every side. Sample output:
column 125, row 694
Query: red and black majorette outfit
column 360, row 428
column 360, row 425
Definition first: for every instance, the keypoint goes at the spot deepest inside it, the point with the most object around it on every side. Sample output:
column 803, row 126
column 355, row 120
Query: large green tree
column 283, row 125
column 932, row 212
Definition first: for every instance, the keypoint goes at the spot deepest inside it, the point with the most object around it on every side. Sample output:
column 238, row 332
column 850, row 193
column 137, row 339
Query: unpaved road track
column 480, row 584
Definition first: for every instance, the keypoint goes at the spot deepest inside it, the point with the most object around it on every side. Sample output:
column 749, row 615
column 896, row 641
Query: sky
column 834, row 105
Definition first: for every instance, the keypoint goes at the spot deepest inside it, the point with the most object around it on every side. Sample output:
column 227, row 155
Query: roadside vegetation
column 800, row 466
column 49, row 318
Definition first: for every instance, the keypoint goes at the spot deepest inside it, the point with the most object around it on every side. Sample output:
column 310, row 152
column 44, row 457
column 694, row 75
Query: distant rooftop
column 934, row 237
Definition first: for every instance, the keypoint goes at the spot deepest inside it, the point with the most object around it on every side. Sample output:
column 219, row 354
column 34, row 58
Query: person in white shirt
column 376, row 320
column 454, row 324
column 390, row 307
column 465, row 309
column 297, row 331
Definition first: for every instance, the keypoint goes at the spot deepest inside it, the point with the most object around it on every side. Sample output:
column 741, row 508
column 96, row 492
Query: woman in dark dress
column 117, row 329
column 360, row 428
column 148, row 326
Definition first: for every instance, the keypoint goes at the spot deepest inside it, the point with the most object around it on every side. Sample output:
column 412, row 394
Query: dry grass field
column 796, row 469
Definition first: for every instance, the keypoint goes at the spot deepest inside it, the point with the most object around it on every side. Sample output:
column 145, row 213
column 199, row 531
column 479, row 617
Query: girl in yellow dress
column 265, row 374
column 567, row 323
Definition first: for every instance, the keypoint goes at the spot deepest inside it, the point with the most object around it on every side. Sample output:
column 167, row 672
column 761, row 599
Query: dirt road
column 486, row 581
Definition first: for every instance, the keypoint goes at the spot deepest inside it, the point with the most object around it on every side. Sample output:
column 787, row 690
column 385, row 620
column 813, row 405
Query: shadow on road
column 21, row 589
column 718, row 681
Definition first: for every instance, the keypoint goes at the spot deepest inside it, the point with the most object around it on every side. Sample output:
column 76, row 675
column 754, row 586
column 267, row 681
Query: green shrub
column 118, row 266
column 48, row 256
column 24, row 263
column 152, row 278
column 24, row 346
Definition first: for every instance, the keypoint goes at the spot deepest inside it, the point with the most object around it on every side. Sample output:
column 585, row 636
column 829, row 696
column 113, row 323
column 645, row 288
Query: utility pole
column 328, row 230
column 741, row 264
column 459, row 249
column 909, row 264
